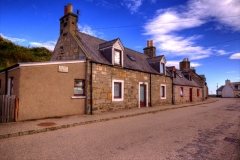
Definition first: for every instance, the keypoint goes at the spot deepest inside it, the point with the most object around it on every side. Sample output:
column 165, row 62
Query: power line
column 139, row 25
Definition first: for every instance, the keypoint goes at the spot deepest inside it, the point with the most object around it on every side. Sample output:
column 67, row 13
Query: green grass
column 11, row 54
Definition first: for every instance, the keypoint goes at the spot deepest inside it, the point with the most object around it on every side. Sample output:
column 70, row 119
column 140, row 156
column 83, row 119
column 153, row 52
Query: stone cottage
column 116, row 77
column 88, row 75
column 185, row 86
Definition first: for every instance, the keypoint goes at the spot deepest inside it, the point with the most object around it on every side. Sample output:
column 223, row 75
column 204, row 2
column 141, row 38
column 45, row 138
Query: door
column 190, row 94
column 142, row 95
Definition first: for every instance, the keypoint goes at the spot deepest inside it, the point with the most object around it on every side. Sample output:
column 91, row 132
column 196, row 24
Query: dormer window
column 190, row 78
column 174, row 74
column 117, row 57
column 162, row 68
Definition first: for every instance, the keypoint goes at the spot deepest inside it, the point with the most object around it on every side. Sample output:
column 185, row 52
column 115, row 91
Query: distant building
column 230, row 89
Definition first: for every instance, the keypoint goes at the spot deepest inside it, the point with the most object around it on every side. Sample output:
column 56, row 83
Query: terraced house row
column 88, row 75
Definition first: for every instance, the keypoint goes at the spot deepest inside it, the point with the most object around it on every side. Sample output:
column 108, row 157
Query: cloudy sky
column 205, row 31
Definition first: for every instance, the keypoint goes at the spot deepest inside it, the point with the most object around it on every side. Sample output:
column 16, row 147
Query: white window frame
column 122, row 90
column 165, row 88
column 164, row 71
column 146, row 83
column 113, row 56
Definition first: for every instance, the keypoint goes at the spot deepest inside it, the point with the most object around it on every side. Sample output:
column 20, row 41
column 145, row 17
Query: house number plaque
column 62, row 69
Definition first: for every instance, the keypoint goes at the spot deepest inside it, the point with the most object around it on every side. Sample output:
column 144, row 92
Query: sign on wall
column 63, row 69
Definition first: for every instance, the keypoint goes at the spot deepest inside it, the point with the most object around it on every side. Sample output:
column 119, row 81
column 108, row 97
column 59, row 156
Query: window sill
column 78, row 97
column 163, row 97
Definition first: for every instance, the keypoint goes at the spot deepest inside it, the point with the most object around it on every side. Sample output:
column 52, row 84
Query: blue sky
column 205, row 31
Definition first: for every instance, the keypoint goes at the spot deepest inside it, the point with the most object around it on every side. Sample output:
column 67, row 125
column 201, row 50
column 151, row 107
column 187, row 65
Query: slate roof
column 235, row 85
column 92, row 45
column 107, row 44
column 220, row 88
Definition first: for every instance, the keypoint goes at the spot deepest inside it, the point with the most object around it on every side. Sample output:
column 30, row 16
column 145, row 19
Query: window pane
column 78, row 90
column 163, row 91
column 181, row 91
column 78, row 83
column 162, row 68
column 142, row 96
column 117, row 57
column 117, row 88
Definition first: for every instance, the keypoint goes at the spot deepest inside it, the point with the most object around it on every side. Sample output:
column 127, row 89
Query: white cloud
column 164, row 28
column 235, row 56
column 49, row 44
column 231, row 72
column 88, row 30
column 133, row 5
column 176, row 64
column 13, row 39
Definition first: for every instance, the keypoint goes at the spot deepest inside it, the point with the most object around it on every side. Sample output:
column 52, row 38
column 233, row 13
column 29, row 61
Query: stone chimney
column 227, row 82
column 68, row 23
column 184, row 65
column 150, row 50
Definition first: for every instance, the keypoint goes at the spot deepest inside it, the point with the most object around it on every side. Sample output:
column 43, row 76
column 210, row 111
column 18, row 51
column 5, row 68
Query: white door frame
column 146, row 83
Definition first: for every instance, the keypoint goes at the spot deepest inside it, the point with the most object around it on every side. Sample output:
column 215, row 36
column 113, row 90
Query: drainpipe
column 91, row 89
column 6, row 82
column 150, row 90
column 172, row 91
column 86, row 87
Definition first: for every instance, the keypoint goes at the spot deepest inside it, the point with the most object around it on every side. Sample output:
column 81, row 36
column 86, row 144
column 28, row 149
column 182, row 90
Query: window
column 10, row 86
column 162, row 68
column 197, row 92
column 174, row 74
column 181, row 91
column 163, row 91
column 79, row 87
column 190, row 78
column 238, row 86
column 131, row 57
column 117, row 90
column 117, row 57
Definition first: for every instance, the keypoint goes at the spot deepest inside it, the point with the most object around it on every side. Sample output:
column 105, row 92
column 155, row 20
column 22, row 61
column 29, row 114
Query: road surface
column 209, row 131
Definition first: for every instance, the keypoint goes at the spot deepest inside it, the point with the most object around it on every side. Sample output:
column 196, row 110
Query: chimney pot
column 65, row 10
column 70, row 8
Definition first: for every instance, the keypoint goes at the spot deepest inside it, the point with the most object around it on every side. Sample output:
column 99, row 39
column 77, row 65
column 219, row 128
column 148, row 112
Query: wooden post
column 16, row 109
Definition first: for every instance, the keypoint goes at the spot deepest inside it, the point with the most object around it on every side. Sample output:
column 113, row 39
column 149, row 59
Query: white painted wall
column 227, row 91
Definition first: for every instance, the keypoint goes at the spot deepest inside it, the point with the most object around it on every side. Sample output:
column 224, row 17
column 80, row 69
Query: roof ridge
column 110, row 41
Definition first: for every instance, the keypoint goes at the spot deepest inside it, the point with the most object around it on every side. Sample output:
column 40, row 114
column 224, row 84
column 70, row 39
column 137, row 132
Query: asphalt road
column 197, row 132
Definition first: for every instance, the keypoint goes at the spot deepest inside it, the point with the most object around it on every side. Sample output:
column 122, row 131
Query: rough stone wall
column 177, row 99
column 102, row 88
column 156, row 95
column 67, row 49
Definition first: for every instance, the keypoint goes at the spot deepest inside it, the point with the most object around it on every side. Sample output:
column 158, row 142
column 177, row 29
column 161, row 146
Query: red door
column 190, row 94
column 142, row 95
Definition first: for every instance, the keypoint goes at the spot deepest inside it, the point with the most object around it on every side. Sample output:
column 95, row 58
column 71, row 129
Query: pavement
column 14, row 129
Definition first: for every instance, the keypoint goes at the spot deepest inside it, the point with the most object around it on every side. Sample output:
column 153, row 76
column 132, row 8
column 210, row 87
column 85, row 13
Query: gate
column 7, row 108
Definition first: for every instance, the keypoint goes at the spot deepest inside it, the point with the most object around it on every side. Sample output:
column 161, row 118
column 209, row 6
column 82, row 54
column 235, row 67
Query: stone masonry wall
column 157, row 80
column 177, row 99
column 102, row 88
column 67, row 49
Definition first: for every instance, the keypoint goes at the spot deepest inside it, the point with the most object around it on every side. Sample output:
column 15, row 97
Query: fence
column 8, row 108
